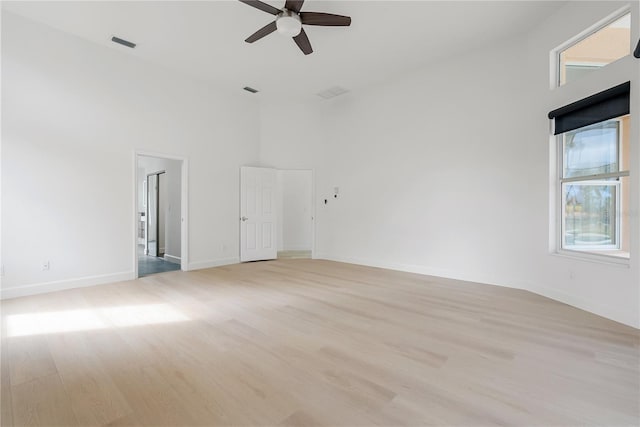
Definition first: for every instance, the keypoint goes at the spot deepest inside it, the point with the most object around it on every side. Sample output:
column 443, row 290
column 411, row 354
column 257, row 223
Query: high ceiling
column 205, row 39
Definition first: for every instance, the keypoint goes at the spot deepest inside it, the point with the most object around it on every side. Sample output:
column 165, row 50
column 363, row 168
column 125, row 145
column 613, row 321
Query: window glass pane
column 591, row 150
column 625, row 142
column 590, row 215
column 597, row 50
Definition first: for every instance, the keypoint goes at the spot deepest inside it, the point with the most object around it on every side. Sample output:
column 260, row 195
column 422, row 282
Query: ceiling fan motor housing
column 289, row 23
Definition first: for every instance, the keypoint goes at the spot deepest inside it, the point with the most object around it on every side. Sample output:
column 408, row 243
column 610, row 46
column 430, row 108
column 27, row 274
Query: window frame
column 557, row 72
column 608, row 253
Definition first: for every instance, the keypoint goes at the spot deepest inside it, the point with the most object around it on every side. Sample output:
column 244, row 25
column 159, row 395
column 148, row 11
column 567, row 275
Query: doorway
column 296, row 218
column 276, row 214
column 160, row 214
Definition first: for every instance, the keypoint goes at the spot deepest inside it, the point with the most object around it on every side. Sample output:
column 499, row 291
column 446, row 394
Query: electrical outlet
column 46, row 265
column 224, row 248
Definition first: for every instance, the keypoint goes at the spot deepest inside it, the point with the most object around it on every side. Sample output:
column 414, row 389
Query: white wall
column 446, row 171
column 424, row 181
column 73, row 113
column 173, row 174
column 295, row 210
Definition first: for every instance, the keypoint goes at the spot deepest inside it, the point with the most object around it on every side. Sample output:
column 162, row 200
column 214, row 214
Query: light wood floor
column 307, row 342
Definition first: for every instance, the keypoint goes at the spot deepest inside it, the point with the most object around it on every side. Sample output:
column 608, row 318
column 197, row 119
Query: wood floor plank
column 94, row 397
column 6, row 406
column 29, row 358
column 42, row 402
column 310, row 342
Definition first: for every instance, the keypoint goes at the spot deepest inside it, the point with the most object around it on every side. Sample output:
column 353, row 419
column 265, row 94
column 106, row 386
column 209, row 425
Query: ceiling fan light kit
column 289, row 21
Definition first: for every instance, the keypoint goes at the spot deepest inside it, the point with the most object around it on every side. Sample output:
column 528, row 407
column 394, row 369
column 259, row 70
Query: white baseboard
column 213, row 263
column 424, row 270
column 627, row 318
column 61, row 285
column 295, row 248
column 173, row 259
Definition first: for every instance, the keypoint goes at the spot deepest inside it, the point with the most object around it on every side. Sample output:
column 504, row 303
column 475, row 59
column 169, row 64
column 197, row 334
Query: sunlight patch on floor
column 19, row 325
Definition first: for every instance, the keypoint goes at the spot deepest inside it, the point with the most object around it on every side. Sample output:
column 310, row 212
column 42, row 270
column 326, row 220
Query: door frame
column 184, row 206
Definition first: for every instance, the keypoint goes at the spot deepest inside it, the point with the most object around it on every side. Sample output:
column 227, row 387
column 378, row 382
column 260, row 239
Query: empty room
column 320, row 213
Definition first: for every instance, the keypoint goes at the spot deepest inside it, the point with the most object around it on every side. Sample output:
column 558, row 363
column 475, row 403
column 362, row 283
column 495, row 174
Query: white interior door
column 258, row 214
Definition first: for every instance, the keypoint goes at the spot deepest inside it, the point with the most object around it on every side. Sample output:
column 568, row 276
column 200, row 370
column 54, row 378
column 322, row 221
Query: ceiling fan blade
column 262, row 6
column 303, row 42
column 264, row 31
column 325, row 19
column 294, row 5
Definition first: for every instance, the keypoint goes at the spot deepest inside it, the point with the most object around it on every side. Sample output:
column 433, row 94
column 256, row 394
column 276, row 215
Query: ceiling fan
column 289, row 21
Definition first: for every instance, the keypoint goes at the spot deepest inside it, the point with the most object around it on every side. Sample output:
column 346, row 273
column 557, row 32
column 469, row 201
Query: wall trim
column 61, row 285
column 213, row 263
column 426, row 271
column 296, row 248
column 173, row 259
column 628, row 318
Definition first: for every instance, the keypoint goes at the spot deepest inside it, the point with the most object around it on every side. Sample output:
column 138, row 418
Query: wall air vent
column 250, row 89
column 332, row 92
column 123, row 42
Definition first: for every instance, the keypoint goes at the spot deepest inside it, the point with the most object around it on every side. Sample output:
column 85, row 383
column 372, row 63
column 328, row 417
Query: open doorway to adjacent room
column 296, row 216
column 160, row 239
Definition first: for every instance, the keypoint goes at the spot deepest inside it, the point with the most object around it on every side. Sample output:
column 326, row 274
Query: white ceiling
column 205, row 39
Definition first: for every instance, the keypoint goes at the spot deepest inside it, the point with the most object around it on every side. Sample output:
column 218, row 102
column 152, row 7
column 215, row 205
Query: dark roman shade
column 596, row 108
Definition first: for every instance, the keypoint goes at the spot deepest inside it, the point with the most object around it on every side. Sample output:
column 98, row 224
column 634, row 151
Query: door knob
column 244, row 218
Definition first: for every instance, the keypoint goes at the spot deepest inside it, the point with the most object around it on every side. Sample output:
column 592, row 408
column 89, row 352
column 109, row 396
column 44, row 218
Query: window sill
column 615, row 258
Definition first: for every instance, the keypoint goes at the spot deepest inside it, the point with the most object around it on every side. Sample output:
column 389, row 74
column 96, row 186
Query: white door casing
column 258, row 214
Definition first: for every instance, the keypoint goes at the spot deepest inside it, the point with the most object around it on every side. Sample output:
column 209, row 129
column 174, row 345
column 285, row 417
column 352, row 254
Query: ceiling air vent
column 250, row 89
column 332, row 92
column 123, row 42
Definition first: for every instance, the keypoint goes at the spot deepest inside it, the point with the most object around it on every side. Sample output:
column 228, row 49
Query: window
column 594, row 188
column 602, row 46
column 593, row 141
